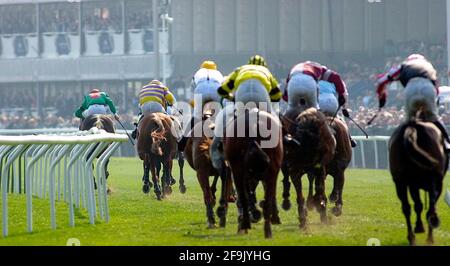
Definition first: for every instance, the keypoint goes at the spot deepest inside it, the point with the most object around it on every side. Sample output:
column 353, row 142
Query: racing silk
column 318, row 72
column 411, row 68
column 204, row 74
column 101, row 98
column 156, row 93
column 246, row 72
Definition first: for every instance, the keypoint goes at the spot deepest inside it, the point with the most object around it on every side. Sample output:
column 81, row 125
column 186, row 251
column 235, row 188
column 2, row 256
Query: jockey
column 328, row 102
column 303, row 80
column 251, row 83
column 153, row 98
column 419, row 78
column 204, row 84
column 95, row 102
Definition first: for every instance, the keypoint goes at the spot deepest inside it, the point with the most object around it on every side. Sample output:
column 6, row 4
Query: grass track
column 371, row 210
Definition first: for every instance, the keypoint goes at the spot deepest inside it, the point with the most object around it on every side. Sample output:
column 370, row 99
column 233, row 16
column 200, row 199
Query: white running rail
column 57, row 167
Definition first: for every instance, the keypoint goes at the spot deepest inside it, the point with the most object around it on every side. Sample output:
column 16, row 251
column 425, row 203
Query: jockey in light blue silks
column 328, row 101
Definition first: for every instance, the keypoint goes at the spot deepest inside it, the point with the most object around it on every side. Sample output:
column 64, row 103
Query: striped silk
column 154, row 93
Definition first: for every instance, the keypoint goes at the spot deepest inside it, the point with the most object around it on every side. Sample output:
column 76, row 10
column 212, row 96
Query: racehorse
column 156, row 145
column 418, row 161
column 99, row 121
column 309, row 148
column 251, row 163
column 336, row 168
column 198, row 156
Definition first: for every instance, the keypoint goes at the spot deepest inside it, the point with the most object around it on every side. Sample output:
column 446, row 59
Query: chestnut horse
column 251, row 163
column 309, row 148
column 198, row 156
column 336, row 168
column 418, row 161
column 156, row 145
column 104, row 122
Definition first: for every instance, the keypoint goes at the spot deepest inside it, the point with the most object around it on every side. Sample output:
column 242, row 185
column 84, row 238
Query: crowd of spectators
column 63, row 17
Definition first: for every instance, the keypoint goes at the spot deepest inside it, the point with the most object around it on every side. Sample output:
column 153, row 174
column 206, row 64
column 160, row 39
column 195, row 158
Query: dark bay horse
column 309, row 148
column 251, row 163
column 198, row 156
column 104, row 122
column 156, row 145
column 418, row 161
column 336, row 168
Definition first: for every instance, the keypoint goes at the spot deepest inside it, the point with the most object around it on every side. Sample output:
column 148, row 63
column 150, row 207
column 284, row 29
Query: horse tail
column 419, row 155
column 157, row 136
column 98, row 123
column 257, row 161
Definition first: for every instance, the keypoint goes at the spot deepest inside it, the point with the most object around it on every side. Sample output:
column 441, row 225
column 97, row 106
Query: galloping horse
column 156, row 144
column 418, row 161
column 104, row 122
column 198, row 156
column 309, row 148
column 251, row 162
column 336, row 168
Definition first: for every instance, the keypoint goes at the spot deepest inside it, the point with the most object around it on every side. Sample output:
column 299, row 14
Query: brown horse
column 156, row 145
column 418, row 161
column 309, row 148
column 336, row 168
column 198, row 156
column 104, row 122
column 251, row 162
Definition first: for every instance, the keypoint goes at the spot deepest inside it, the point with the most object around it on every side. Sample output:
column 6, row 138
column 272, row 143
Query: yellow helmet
column 209, row 65
column 257, row 60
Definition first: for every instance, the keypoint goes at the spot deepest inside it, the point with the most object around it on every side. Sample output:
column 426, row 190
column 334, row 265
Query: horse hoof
column 433, row 221
column 106, row 175
column 275, row 220
column 159, row 197
column 146, row 188
column 286, row 205
column 255, row 216
column 173, row 181
column 242, row 231
column 430, row 241
column 333, row 197
column 337, row 211
column 211, row 225
column 267, row 235
column 223, row 222
column 419, row 229
column 182, row 189
column 168, row 190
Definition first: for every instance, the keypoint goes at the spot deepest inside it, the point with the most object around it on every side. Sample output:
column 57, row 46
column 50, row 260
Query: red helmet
column 95, row 91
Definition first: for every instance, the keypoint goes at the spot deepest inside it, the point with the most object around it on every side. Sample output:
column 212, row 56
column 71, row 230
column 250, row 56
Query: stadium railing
column 58, row 167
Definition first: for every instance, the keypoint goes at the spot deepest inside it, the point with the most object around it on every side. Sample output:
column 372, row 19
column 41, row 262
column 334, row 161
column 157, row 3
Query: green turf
column 371, row 210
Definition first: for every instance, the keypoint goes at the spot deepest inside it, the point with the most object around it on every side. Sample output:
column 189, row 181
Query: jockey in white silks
column 205, row 83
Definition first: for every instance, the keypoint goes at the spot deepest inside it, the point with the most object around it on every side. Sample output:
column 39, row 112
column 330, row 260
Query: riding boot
column 134, row 133
column 185, row 137
column 441, row 127
column 353, row 142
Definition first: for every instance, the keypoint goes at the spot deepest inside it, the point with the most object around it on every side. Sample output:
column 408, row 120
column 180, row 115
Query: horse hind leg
column 402, row 193
column 147, row 184
column 223, row 202
column 155, row 178
column 310, row 200
column 181, row 165
column 269, row 202
column 302, row 212
column 338, row 188
column 432, row 217
column 286, row 205
column 203, row 180
column 320, row 198
column 418, row 207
